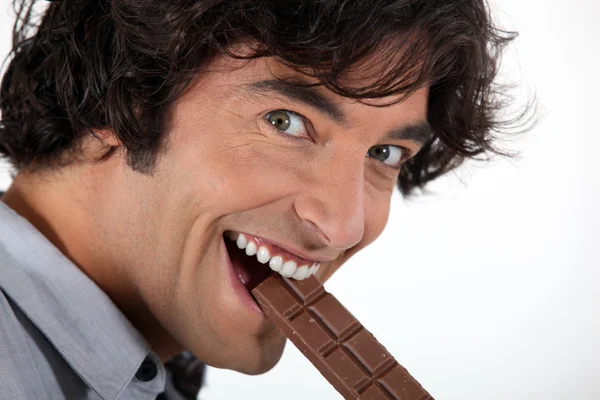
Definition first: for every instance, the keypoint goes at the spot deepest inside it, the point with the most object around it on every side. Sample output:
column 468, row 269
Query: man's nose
column 334, row 204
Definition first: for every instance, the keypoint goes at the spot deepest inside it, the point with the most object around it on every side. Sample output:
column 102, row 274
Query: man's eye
column 392, row 156
column 288, row 122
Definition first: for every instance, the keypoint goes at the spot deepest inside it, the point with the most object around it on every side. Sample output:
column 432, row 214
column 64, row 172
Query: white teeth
column 263, row 255
column 251, row 249
column 241, row 241
column 276, row 263
column 288, row 269
column 301, row 272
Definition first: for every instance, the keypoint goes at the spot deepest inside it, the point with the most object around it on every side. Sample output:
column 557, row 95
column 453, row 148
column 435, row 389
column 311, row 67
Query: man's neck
column 56, row 208
column 30, row 197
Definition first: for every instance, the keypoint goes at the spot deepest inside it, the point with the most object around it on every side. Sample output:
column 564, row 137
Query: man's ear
column 107, row 137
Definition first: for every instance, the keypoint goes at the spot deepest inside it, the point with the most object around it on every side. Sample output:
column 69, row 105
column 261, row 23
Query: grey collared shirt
column 61, row 336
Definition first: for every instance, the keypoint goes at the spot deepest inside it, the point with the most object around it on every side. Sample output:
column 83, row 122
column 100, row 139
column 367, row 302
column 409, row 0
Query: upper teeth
column 289, row 269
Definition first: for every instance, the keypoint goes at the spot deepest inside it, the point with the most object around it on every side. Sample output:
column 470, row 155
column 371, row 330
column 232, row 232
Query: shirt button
column 147, row 371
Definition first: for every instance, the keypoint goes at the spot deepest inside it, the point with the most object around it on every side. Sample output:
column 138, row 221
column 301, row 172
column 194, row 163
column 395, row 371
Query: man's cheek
column 259, row 173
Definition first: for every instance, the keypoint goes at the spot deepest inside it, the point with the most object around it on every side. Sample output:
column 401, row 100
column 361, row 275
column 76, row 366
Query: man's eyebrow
column 302, row 94
column 419, row 132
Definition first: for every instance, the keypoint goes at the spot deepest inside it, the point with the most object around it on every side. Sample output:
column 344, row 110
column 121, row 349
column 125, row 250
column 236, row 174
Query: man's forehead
column 366, row 72
column 267, row 73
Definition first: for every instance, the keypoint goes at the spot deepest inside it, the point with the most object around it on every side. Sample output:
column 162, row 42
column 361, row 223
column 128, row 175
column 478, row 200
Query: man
column 166, row 153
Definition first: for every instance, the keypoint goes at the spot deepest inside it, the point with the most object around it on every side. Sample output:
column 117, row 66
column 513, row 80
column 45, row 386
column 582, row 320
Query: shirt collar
column 77, row 317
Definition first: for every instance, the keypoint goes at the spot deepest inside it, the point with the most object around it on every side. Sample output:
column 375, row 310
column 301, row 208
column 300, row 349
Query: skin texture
column 154, row 244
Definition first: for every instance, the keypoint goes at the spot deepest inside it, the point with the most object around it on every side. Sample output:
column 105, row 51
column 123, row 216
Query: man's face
column 246, row 156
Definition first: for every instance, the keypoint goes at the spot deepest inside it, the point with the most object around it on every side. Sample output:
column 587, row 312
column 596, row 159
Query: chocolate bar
column 336, row 343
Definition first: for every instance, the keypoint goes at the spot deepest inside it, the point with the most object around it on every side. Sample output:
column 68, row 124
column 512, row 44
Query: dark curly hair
column 122, row 64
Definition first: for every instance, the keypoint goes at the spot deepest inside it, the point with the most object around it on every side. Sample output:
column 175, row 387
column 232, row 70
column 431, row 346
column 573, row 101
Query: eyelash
column 306, row 121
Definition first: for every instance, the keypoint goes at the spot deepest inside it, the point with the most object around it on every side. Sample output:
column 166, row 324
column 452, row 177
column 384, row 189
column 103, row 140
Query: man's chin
column 271, row 350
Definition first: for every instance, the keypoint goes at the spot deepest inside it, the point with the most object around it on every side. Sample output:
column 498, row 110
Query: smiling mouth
column 254, row 259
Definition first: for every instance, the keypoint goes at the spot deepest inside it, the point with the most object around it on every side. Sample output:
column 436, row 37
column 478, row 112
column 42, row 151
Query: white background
column 492, row 283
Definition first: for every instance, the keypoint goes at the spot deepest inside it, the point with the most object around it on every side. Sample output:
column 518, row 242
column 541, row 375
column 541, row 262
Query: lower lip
column 238, row 287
